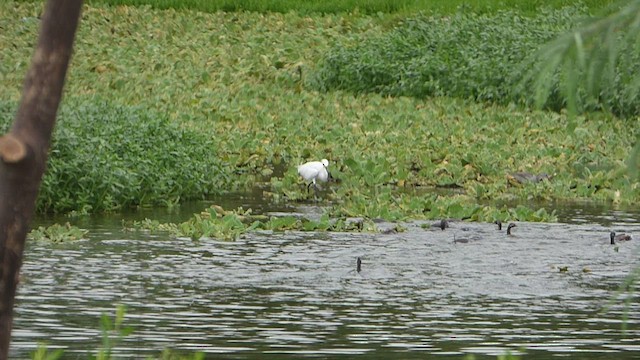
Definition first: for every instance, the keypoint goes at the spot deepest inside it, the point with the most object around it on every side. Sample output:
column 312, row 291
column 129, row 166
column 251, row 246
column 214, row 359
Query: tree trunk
column 24, row 150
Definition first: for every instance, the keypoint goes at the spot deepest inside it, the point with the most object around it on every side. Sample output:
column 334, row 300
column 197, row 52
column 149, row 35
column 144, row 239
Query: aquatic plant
column 57, row 233
column 148, row 225
column 113, row 332
column 392, row 205
column 215, row 222
column 42, row 353
column 219, row 103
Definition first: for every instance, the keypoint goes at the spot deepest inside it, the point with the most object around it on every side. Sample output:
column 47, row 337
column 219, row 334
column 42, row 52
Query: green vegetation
column 164, row 106
column 593, row 67
column 363, row 6
column 113, row 332
column 107, row 157
column 58, row 233
column 489, row 61
column 226, row 101
column 215, row 222
column 43, row 353
column 465, row 55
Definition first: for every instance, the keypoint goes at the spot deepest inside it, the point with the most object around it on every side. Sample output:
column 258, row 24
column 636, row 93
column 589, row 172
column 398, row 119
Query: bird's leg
column 316, row 190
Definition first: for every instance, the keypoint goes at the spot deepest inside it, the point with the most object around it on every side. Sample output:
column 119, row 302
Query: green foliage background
column 490, row 61
column 464, row 55
column 224, row 101
column 370, row 7
column 106, row 157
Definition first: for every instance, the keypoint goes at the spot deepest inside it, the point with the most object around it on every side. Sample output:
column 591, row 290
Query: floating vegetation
column 57, row 233
column 215, row 222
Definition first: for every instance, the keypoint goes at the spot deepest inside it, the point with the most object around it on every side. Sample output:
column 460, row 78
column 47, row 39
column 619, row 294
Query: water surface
column 551, row 290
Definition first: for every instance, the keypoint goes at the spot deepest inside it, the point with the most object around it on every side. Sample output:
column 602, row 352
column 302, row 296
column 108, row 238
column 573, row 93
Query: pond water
column 550, row 290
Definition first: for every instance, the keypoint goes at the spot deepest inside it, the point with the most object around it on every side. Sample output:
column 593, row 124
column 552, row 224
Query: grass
column 364, row 6
column 486, row 58
column 465, row 55
column 242, row 81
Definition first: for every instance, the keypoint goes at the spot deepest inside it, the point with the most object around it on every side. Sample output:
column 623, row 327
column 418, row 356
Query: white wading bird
column 314, row 170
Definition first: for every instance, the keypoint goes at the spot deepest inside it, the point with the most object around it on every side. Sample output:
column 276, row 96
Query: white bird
column 313, row 170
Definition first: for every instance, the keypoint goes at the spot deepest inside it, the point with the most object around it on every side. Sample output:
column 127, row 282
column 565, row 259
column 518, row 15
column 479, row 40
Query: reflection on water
column 297, row 294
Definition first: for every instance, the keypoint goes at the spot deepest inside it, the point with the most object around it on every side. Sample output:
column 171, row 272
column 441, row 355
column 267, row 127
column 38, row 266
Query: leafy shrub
column 106, row 157
column 482, row 57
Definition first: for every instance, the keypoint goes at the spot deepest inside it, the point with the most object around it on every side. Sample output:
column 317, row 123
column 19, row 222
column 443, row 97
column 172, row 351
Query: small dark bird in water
column 499, row 223
column 511, row 225
column 619, row 237
column 460, row 240
column 358, row 264
column 388, row 231
column 443, row 224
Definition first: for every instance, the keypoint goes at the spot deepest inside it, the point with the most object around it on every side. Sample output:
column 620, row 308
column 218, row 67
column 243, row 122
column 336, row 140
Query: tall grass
column 465, row 55
column 480, row 57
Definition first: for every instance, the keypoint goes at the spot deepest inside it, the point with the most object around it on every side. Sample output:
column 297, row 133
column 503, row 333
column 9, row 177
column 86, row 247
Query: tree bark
column 24, row 150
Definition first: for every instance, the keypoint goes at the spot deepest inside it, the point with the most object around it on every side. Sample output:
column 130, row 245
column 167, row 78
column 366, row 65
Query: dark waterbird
column 442, row 224
column 511, row 225
column 619, row 237
column 358, row 264
column 499, row 223
column 460, row 240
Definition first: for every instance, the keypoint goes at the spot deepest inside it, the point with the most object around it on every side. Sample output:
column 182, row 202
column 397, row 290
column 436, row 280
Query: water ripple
column 550, row 290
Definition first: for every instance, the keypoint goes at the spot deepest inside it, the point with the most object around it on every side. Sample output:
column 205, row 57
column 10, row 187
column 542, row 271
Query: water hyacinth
column 215, row 102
